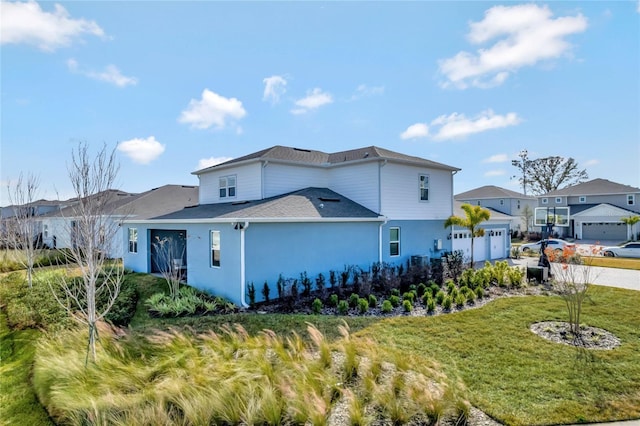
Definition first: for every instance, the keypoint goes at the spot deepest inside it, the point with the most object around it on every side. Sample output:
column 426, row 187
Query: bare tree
column 552, row 173
column 93, row 228
column 22, row 228
column 169, row 255
column 523, row 164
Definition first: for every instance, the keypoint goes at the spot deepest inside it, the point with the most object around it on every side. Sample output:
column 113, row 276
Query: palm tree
column 631, row 220
column 474, row 216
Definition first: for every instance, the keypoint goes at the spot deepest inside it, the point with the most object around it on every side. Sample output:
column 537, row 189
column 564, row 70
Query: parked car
column 626, row 250
column 552, row 243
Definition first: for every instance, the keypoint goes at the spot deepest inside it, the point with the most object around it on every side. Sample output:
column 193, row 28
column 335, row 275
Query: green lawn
column 519, row 378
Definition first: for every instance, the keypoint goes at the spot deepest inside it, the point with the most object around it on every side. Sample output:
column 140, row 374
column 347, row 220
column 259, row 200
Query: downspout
column 264, row 165
column 380, row 166
column 453, row 173
column 243, row 227
column 380, row 240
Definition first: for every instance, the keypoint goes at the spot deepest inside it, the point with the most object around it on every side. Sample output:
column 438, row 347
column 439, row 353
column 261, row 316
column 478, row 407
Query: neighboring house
column 58, row 226
column 504, row 201
column 596, row 209
column 36, row 209
column 495, row 244
column 288, row 211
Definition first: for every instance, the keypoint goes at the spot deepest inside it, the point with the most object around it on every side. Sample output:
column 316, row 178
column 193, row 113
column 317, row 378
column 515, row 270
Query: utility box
column 538, row 273
column 437, row 244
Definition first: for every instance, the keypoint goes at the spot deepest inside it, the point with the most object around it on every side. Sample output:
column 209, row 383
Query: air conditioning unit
column 419, row 260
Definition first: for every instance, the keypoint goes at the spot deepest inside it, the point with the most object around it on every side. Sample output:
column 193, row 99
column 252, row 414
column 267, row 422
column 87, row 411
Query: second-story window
column 582, row 199
column 631, row 199
column 424, row 188
column 545, row 201
column 558, row 200
column 227, row 187
column 502, row 202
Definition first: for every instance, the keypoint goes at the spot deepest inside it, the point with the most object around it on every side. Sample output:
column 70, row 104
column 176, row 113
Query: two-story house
column 596, row 209
column 285, row 211
column 505, row 201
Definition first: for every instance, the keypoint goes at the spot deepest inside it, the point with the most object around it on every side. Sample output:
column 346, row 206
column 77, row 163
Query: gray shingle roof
column 491, row 191
column 594, row 187
column 319, row 158
column 308, row 203
column 495, row 214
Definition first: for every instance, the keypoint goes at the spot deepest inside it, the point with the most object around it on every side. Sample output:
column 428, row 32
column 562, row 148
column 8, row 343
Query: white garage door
column 462, row 241
column 497, row 239
column 604, row 231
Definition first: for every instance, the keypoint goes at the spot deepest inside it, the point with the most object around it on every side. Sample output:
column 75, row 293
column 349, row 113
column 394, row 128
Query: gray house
column 596, row 209
column 504, row 201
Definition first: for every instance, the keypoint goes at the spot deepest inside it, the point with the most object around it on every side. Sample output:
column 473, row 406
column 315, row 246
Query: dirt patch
column 589, row 338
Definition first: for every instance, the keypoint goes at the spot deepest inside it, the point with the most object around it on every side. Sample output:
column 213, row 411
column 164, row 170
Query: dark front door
column 168, row 248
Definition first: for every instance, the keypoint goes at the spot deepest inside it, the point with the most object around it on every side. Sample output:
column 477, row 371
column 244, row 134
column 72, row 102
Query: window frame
column 422, row 187
column 394, row 242
column 133, row 240
column 224, row 185
column 631, row 199
column 558, row 200
column 213, row 248
column 545, row 201
column 582, row 199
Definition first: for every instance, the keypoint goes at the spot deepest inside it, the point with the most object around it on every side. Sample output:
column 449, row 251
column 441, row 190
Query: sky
column 173, row 87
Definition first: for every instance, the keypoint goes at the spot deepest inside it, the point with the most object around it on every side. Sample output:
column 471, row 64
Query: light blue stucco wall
column 416, row 239
column 293, row 248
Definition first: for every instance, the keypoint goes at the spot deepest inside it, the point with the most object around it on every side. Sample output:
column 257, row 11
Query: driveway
column 610, row 277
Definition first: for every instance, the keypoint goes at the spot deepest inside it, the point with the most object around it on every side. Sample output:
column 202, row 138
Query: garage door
column 497, row 238
column 462, row 241
column 604, row 231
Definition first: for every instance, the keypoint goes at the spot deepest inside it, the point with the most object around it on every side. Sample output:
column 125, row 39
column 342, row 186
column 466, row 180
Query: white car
column 552, row 243
column 626, row 250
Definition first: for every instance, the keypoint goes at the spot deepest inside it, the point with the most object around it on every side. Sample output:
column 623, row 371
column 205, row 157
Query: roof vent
column 301, row 149
column 329, row 200
column 238, row 203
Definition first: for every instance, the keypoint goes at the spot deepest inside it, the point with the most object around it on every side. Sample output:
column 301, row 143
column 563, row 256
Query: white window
column 545, row 201
column 558, row 200
column 215, row 248
column 133, row 240
column 582, row 199
column 631, row 199
column 424, row 188
column 394, row 241
column 227, row 187
column 518, row 204
column 501, row 202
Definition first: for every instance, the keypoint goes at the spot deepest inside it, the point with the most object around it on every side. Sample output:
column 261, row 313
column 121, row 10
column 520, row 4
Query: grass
column 519, row 378
column 614, row 262
column 18, row 402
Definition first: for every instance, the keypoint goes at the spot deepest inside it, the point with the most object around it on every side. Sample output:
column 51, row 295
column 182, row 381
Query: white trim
column 394, row 241
column 242, row 266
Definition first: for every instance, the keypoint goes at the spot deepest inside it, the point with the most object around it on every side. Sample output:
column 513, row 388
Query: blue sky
column 180, row 85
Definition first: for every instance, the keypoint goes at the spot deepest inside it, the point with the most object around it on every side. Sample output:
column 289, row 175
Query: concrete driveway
column 610, row 277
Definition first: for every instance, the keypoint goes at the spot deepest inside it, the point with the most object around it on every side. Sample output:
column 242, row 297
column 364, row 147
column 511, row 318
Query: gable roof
column 496, row 216
column 594, row 187
column 309, row 204
column 603, row 209
column 491, row 191
column 323, row 159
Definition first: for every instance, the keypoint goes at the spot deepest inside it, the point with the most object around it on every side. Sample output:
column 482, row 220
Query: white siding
column 401, row 193
column 283, row 178
column 357, row 182
column 248, row 184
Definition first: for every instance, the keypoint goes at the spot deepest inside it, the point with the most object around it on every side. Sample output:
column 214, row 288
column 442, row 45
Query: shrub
column 450, row 286
column 280, row 285
column 471, row 297
column 343, row 307
column 460, row 300
column 465, row 290
column 333, row 300
column 394, row 300
column 373, row 301
column 515, row 276
column 363, row 306
column 479, row 292
column 407, row 306
column 306, row 284
column 316, row 306
column 332, row 278
column 410, row 296
column 421, row 289
column 431, row 305
column 265, row 291
column 320, row 283
column 395, row 292
column 386, row 307
column 124, row 308
column 353, row 300
column 251, row 292
column 440, row 297
column 446, row 303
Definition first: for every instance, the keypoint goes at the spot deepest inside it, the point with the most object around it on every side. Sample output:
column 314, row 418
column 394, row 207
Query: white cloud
column 590, row 163
column 212, row 161
column 315, row 99
column 498, row 158
column 491, row 173
column 27, row 23
column 526, row 34
column 111, row 74
column 364, row 91
column 274, row 88
column 142, row 151
column 458, row 126
column 418, row 130
column 211, row 110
